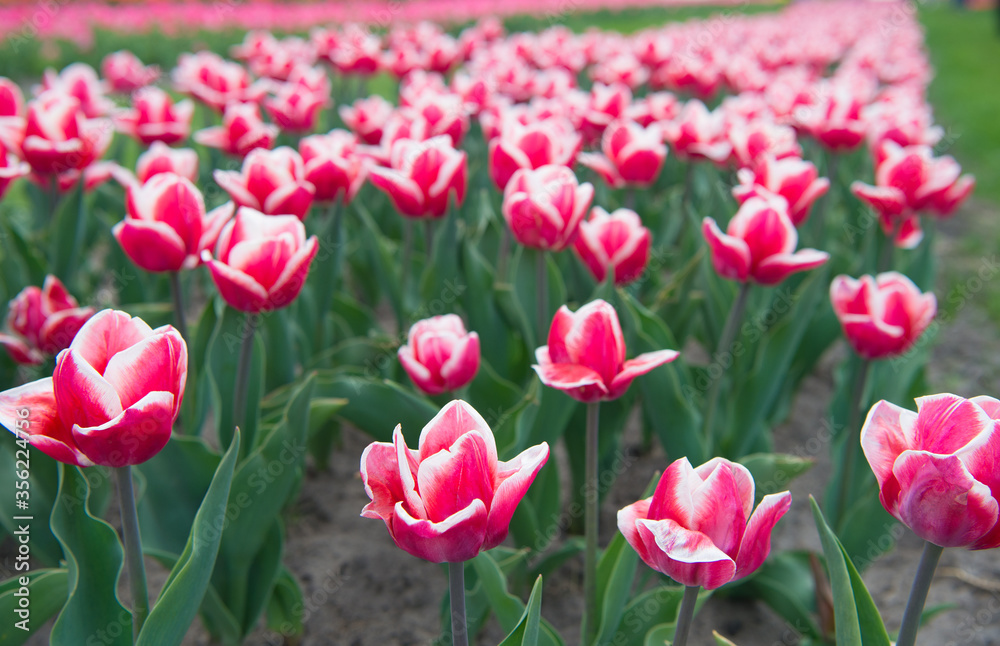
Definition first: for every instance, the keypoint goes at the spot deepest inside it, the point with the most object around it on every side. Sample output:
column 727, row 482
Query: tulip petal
column 569, row 376
column 134, row 436
column 686, row 556
column 238, row 289
column 106, row 334
column 774, row 269
column 83, row 395
column 947, row 423
column 381, row 476
column 756, row 543
column 637, row 367
column 513, row 480
column 452, row 422
column 463, row 363
column 884, row 436
column 44, row 430
column 730, row 255
column 20, row 351
column 157, row 363
column 293, row 277
column 418, row 372
column 628, row 518
column 456, row 539
column 152, row 245
column 450, row 479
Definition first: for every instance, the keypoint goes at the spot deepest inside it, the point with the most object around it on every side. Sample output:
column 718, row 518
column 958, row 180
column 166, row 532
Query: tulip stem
column 407, row 254
column 725, row 341
column 133, row 550
column 502, row 254
column 685, row 615
column 243, row 376
column 542, row 296
column 918, row 594
column 335, row 216
column 688, row 186
column 429, row 240
column 853, row 437
column 175, row 289
column 592, row 509
column 459, row 626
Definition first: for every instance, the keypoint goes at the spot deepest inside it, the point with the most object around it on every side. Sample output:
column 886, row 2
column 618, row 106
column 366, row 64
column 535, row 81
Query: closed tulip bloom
column 42, row 321
column 155, row 117
column 112, row 399
column 125, row 73
column 161, row 158
column 423, row 176
column 166, row 227
column 700, row 527
column 295, row 108
column 549, row 141
column 333, row 164
column 216, row 82
column 271, row 181
column 614, row 242
column 261, row 261
column 794, row 179
column 759, row 244
column 544, row 207
column 367, row 117
column 698, row 134
column 756, row 139
column 585, row 356
column 79, row 81
column 452, row 497
column 58, row 138
column 632, row 155
column 882, row 316
column 242, row 130
column 937, row 468
column 440, row 355
column 606, row 104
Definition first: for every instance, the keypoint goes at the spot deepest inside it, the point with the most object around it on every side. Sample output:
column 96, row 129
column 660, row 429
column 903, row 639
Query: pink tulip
column 445, row 114
column 607, row 103
column 936, row 468
column 112, row 399
column 544, row 207
column 759, row 244
column 792, row 178
column 241, row 131
column 423, row 176
column 58, row 139
column 585, row 356
column 700, row 527
column 42, row 322
column 79, row 81
column 882, row 316
column 161, row 158
column 754, row 140
column 359, row 51
column 550, row 141
column 452, row 497
column 271, row 181
column 10, row 168
column 216, row 82
column 261, row 261
column 835, row 120
column 11, row 114
column 440, row 355
column 295, row 108
column 333, row 164
column 632, row 155
column 653, row 108
column 125, row 73
column 367, row 117
column 155, row 117
column 166, row 227
column 697, row 134
column 614, row 242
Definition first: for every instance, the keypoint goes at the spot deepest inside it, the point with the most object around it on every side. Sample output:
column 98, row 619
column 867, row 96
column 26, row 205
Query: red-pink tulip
column 936, row 468
column 654, row 107
column 166, row 227
column 125, row 73
column 585, row 356
column 333, row 164
column 632, row 155
column 792, row 178
column 161, row 158
column 759, row 244
column 882, row 316
column 112, row 399
column 261, row 261
column 359, row 51
column 242, row 130
column 10, row 168
column 42, row 322
column 615, row 242
column 155, row 117
column 544, row 207
column 440, row 355
column 835, row 120
column 700, row 527
column 58, row 139
column 295, row 108
column 11, row 114
column 452, row 497
column 759, row 138
column 698, row 134
column 423, row 176
column 79, row 81
column 216, row 82
column 607, row 103
column 271, row 181
column 367, row 117
column 541, row 143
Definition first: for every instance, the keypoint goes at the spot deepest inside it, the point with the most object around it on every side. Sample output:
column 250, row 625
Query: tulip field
column 345, row 323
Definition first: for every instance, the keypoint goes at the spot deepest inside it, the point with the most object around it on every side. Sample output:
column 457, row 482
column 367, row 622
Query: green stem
column 918, row 594
column 429, row 240
column 502, row 256
column 853, row 437
column 175, row 290
column 133, row 550
column 725, row 341
column 243, row 374
column 888, row 248
column 686, row 615
column 688, row 187
column 335, row 215
column 591, row 510
column 459, row 626
column 407, row 254
column 541, row 297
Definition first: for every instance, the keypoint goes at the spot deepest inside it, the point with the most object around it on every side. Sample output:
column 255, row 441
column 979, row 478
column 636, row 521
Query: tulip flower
column 216, row 82
column 607, row 103
column 756, row 139
column 166, row 228
column 41, row 322
column 241, row 131
column 261, row 261
column 759, row 244
column 544, row 207
column 10, row 168
column 112, row 399
column 155, row 117
column 360, row 51
column 792, row 178
column 423, row 176
column 58, row 138
column 440, row 355
column 697, row 134
column 125, row 73
column 836, row 119
column 11, row 114
column 333, row 164
column 161, row 158
column 615, row 242
column 271, row 181
column 295, row 108
column 79, row 81
column 882, row 316
column 452, row 497
column 632, row 155
column 543, row 143
column 367, row 117
column 700, row 527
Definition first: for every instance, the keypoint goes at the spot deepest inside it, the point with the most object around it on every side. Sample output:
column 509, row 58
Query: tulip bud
column 440, row 355
column 544, row 207
column 617, row 242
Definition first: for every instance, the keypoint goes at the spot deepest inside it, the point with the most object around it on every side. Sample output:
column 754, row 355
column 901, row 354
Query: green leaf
column 46, row 593
column 857, row 619
column 383, row 260
column 785, row 583
column 615, row 574
column 43, row 483
column 182, row 593
column 526, row 632
column 67, row 235
column 720, row 640
column 285, row 607
column 508, row 607
column 94, row 561
column 773, row 471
